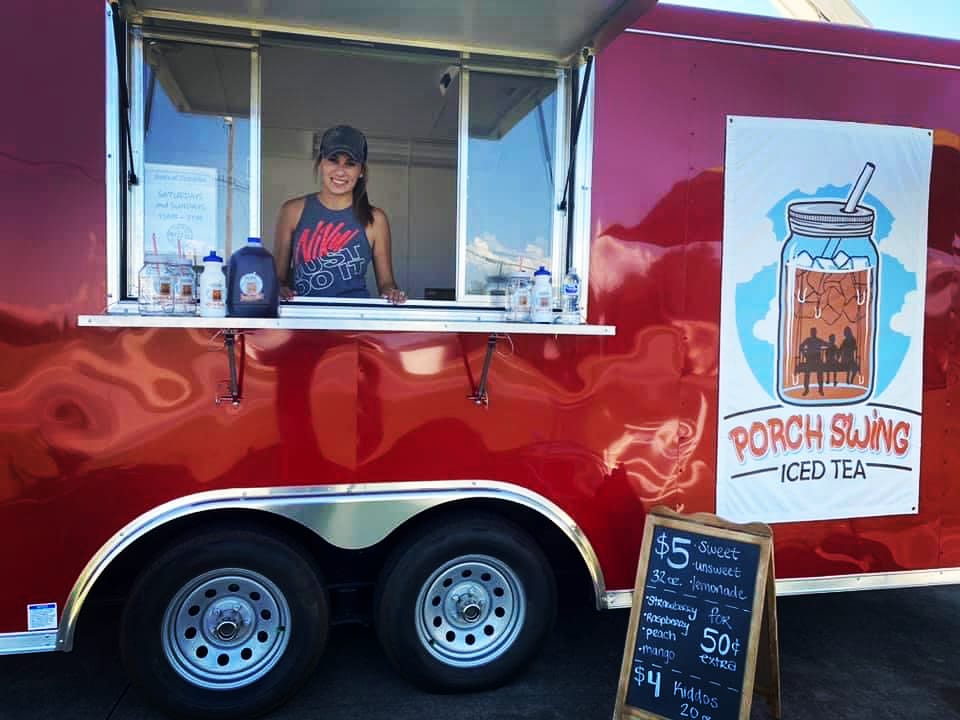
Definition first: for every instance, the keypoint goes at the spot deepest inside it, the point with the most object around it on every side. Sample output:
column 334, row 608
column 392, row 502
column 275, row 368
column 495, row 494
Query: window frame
column 115, row 155
column 570, row 237
column 132, row 250
column 558, row 235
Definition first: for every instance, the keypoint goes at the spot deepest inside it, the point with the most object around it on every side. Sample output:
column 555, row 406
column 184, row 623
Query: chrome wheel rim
column 470, row 611
column 226, row 629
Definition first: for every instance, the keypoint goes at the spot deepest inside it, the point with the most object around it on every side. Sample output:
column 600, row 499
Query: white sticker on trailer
column 42, row 616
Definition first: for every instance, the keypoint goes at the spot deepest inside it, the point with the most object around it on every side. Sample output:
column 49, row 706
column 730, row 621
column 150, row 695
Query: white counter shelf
column 371, row 318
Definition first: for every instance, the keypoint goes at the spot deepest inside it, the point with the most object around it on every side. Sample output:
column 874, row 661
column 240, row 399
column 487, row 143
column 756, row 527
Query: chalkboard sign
column 703, row 603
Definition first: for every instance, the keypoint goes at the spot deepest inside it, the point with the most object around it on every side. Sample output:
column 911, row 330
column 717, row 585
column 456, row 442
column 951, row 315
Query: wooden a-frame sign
column 701, row 639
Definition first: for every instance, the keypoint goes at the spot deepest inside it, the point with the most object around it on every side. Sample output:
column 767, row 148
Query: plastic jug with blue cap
column 252, row 288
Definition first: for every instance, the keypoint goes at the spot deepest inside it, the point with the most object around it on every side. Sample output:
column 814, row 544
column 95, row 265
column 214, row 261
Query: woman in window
column 334, row 234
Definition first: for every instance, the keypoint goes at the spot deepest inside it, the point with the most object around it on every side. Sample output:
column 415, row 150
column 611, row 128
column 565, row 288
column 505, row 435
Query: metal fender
column 351, row 517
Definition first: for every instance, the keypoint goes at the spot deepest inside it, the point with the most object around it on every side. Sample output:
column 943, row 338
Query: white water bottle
column 213, row 287
column 570, row 299
column 541, row 298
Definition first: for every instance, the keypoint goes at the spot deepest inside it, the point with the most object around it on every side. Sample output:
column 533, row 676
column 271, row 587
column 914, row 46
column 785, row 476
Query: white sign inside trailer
column 180, row 209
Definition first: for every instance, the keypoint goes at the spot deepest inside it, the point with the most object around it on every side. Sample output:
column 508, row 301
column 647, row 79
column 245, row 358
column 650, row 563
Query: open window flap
column 199, row 79
column 553, row 30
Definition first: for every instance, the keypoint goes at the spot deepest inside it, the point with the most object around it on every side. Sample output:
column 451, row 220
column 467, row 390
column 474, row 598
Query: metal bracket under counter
column 345, row 320
column 236, row 369
column 480, row 396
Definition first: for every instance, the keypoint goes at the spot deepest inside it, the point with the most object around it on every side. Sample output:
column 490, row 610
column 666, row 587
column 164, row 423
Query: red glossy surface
column 657, row 204
column 98, row 426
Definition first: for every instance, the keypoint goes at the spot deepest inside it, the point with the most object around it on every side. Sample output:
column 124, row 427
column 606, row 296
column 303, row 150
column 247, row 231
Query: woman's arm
column 379, row 235
column 287, row 220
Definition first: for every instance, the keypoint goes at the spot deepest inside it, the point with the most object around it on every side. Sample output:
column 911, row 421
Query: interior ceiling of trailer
column 306, row 89
column 545, row 29
column 202, row 79
column 310, row 89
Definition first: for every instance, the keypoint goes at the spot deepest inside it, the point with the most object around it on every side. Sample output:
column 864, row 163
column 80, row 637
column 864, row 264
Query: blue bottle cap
column 256, row 240
column 213, row 257
column 542, row 271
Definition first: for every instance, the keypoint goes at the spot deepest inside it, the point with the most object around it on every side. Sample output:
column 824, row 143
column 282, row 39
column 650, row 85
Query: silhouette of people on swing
column 823, row 357
column 848, row 354
column 811, row 360
column 832, row 356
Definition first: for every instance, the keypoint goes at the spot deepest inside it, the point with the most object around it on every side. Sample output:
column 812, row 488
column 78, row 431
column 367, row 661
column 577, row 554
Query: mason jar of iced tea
column 156, row 285
column 828, row 305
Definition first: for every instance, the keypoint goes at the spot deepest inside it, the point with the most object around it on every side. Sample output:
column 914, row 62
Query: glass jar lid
column 828, row 218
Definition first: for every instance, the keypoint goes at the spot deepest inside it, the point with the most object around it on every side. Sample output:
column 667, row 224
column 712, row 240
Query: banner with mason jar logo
column 821, row 326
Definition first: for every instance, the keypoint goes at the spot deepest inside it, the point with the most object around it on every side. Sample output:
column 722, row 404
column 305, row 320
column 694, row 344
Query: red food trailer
column 764, row 215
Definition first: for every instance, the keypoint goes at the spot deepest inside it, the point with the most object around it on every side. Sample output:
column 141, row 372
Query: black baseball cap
column 344, row 139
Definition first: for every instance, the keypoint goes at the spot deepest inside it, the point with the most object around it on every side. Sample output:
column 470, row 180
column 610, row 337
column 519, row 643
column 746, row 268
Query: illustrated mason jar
column 828, row 304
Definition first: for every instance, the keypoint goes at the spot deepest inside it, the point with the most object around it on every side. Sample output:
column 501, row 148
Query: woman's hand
column 286, row 293
column 394, row 295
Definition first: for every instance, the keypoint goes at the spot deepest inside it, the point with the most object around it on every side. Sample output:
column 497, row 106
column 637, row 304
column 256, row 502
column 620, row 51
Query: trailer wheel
column 227, row 624
column 466, row 605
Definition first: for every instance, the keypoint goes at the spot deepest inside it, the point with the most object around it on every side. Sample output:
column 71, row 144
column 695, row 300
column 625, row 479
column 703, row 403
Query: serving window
column 411, row 129
column 468, row 156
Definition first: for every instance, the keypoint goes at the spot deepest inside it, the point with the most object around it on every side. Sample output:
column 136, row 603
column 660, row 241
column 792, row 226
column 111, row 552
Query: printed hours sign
column 703, row 603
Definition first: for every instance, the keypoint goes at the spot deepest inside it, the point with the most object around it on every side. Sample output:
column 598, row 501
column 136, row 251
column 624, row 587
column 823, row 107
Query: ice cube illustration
column 803, row 259
column 832, row 306
column 841, row 260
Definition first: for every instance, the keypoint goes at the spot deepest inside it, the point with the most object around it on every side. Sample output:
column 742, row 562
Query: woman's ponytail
column 362, row 209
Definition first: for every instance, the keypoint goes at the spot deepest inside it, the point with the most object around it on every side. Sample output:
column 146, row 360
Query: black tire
column 261, row 613
column 466, row 605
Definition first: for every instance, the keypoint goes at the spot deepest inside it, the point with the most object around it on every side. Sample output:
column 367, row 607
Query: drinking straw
column 155, row 251
column 859, row 188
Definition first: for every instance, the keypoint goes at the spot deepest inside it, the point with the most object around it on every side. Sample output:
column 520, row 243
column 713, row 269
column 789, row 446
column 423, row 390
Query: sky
column 940, row 18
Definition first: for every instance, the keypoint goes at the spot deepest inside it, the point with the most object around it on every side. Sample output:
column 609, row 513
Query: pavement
column 869, row 655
